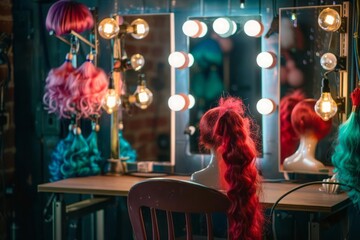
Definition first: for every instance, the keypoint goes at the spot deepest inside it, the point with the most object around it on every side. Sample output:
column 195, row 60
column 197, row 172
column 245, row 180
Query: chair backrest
column 170, row 196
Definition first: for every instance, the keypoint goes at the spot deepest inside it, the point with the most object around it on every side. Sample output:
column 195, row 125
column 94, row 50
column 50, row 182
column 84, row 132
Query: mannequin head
column 306, row 122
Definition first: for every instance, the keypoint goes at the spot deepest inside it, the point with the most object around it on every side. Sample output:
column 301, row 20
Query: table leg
column 313, row 229
column 59, row 218
column 100, row 232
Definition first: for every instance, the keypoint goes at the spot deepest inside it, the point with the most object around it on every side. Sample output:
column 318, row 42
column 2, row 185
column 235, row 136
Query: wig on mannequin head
column 306, row 122
column 226, row 129
column 346, row 157
column 289, row 139
column 88, row 85
column 66, row 15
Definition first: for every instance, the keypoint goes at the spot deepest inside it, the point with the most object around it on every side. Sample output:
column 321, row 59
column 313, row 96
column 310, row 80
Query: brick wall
column 7, row 127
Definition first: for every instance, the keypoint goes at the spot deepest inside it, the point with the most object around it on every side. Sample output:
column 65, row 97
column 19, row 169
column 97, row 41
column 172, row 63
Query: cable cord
column 297, row 188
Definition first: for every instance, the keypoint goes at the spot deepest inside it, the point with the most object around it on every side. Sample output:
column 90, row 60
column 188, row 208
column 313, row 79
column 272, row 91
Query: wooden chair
column 173, row 196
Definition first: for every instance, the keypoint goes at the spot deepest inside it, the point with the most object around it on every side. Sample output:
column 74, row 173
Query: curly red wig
column 227, row 130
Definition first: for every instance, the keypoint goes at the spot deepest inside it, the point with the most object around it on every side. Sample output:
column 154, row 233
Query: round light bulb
column 108, row 28
column 141, row 28
column 191, row 101
column 191, row 60
column 192, row 28
column 266, row 60
column 253, row 28
column 204, row 29
column 326, row 107
column 143, row 96
column 176, row 102
column 224, row 27
column 111, row 101
column 329, row 20
column 328, row 61
column 178, row 60
column 265, row 106
column 137, row 61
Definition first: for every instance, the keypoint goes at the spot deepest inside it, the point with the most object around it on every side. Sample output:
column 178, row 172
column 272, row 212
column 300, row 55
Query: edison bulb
column 143, row 96
column 328, row 61
column 137, row 61
column 108, row 28
column 326, row 107
column 111, row 101
column 329, row 20
column 141, row 28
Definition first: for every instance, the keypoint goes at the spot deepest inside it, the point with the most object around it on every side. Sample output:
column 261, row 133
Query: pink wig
column 289, row 139
column 66, row 15
column 226, row 129
column 56, row 92
column 305, row 120
column 88, row 86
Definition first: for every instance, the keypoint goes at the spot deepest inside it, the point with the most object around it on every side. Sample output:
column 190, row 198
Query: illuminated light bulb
column 137, row 61
column 187, row 101
column 192, row 28
column 108, row 28
column 325, row 107
column 204, row 29
column 141, row 28
column 111, row 101
column 266, row 59
column 191, row 101
column 328, row 61
column 178, row 60
column 191, row 60
column 329, row 20
column 253, row 28
column 224, row 27
column 142, row 94
column 176, row 102
column 265, row 106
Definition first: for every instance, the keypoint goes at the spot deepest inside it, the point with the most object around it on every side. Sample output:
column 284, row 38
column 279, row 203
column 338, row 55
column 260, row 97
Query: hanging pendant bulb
column 143, row 95
column 111, row 101
column 325, row 107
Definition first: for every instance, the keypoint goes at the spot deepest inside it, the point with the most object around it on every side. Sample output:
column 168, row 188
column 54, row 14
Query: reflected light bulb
column 176, row 102
column 266, row 60
column 111, row 101
column 265, row 106
column 328, row 61
column 191, row 60
column 178, row 60
column 325, row 107
column 141, row 28
column 192, row 28
column 329, row 20
column 204, row 29
column 224, row 27
column 142, row 94
column 108, row 28
column 191, row 101
column 137, row 61
column 253, row 28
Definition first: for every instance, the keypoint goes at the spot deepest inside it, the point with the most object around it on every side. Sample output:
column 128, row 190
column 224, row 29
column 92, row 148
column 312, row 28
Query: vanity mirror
column 149, row 130
column 303, row 44
column 223, row 66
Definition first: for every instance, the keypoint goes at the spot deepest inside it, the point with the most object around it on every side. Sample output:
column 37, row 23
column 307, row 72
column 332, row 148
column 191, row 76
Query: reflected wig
column 227, row 130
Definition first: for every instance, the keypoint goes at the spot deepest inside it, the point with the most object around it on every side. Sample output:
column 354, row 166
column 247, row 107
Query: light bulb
column 266, row 60
column 325, row 107
column 204, row 29
column 328, row 61
column 137, row 61
column 253, row 28
column 192, row 28
column 111, row 101
column 176, row 102
column 179, row 60
column 329, row 20
column 142, row 94
column 108, row 28
column 265, row 106
column 191, row 101
column 191, row 60
column 141, row 28
column 224, row 27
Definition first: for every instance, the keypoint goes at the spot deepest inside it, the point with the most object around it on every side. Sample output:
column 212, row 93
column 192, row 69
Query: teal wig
column 346, row 157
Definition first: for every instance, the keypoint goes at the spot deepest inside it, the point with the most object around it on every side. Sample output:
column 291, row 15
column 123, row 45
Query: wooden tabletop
column 306, row 199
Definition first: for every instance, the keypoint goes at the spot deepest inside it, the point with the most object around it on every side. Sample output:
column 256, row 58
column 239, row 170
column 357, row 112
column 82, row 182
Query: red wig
column 288, row 138
column 226, row 129
column 305, row 120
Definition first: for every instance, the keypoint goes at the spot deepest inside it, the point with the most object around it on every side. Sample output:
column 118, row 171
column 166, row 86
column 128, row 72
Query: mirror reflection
column 306, row 144
column 148, row 130
column 223, row 65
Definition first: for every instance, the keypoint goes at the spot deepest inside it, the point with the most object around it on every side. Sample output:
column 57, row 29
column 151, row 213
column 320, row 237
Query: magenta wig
column 227, row 130
column 305, row 120
column 289, row 139
column 66, row 15
column 56, row 93
column 88, row 86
